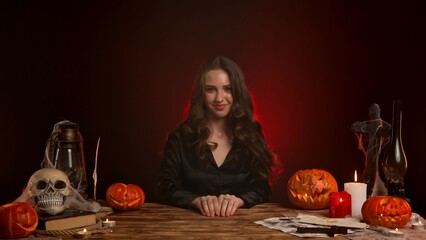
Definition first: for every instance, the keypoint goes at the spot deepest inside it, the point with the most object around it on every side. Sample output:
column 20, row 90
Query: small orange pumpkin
column 386, row 211
column 17, row 220
column 310, row 188
column 125, row 197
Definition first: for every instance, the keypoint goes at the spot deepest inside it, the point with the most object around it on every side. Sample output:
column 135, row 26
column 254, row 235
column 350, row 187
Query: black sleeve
column 169, row 183
column 257, row 191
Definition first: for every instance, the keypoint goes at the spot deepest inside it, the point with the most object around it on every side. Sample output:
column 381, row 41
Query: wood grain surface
column 157, row 221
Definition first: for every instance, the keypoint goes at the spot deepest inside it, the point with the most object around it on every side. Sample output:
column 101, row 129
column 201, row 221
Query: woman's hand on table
column 224, row 205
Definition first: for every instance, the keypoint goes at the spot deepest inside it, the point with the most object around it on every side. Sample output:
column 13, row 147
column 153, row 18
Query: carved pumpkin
column 17, row 220
column 310, row 188
column 386, row 211
column 125, row 197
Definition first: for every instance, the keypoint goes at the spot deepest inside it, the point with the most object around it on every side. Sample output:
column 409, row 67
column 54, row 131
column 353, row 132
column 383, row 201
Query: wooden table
column 157, row 221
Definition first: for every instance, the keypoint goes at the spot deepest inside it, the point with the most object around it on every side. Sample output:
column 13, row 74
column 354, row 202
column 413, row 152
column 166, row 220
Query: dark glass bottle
column 394, row 165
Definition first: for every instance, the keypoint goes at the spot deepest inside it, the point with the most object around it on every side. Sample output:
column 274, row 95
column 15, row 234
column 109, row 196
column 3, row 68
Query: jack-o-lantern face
column 386, row 211
column 17, row 220
column 310, row 188
column 125, row 197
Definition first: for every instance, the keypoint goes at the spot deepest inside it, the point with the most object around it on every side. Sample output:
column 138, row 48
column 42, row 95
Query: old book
column 68, row 219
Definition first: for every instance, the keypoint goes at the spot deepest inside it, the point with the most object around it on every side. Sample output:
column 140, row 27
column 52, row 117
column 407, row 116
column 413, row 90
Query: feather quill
column 95, row 175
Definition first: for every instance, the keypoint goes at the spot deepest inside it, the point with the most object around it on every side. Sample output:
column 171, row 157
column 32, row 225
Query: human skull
column 49, row 188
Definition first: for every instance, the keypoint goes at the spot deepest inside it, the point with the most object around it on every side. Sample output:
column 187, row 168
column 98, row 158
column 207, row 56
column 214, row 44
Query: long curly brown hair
column 243, row 129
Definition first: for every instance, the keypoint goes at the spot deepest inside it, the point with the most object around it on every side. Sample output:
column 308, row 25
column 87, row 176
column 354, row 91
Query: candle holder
column 108, row 223
column 396, row 233
column 84, row 234
column 418, row 225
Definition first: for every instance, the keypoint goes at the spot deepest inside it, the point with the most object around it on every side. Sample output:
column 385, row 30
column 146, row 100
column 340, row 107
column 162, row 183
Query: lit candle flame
column 396, row 229
column 355, row 177
column 340, row 199
column 84, row 230
column 107, row 220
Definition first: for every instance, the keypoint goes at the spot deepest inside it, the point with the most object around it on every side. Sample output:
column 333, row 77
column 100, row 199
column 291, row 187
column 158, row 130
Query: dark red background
column 123, row 70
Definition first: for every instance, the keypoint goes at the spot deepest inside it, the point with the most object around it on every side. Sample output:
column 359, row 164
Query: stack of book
column 68, row 219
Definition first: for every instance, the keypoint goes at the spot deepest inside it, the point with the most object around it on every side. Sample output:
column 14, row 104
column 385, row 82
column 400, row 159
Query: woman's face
column 217, row 94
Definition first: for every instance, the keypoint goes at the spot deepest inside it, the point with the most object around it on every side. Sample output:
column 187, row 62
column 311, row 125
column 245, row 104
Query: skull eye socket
column 60, row 184
column 40, row 185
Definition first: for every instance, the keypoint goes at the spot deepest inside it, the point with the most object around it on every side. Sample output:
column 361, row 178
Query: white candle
column 84, row 234
column 396, row 233
column 108, row 223
column 418, row 225
column 358, row 192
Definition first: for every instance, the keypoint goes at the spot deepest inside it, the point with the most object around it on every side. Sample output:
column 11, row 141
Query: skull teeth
column 47, row 201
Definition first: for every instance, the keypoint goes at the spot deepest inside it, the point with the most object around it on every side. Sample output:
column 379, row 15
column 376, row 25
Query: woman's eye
column 209, row 89
column 228, row 89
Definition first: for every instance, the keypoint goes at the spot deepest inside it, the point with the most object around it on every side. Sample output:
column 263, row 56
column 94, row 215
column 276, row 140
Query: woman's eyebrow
column 208, row 85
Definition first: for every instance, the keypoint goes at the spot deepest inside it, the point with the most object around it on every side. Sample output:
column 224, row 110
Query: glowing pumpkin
column 386, row 211
column 125, row 197
column 310, row 188
column 17, row 220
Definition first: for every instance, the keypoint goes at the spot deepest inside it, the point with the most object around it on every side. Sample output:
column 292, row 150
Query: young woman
column 217, row 160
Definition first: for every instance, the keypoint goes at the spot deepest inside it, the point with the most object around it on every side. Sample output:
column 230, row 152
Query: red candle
column 340, row 204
